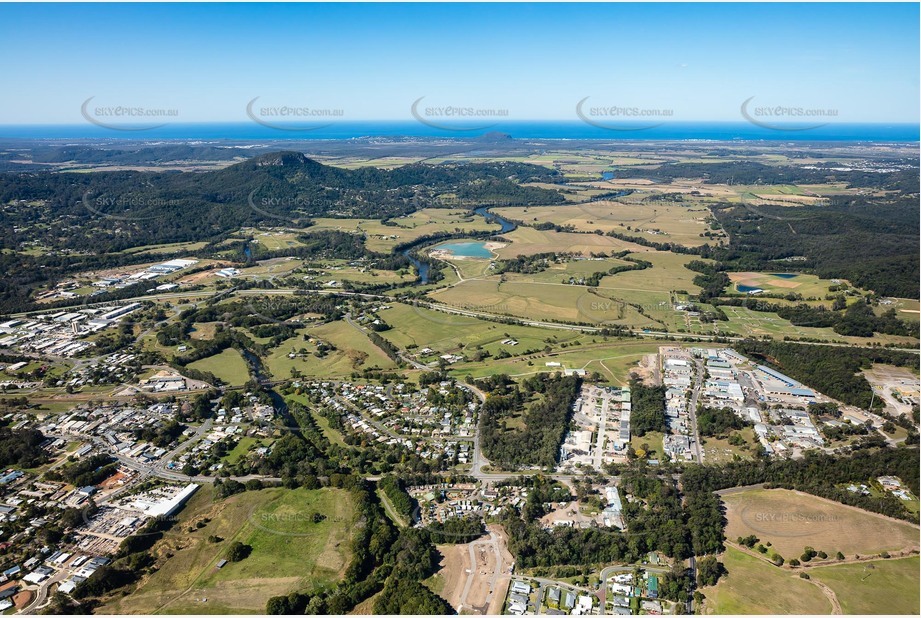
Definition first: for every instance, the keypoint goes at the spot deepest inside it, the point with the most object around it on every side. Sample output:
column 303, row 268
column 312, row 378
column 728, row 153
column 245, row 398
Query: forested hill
column 111, row 211
column 872, row 241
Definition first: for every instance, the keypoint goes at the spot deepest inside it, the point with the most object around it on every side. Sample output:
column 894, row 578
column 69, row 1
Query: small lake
column 746, row 288
column 607, row 175
column 474, row 249
column 785, row 275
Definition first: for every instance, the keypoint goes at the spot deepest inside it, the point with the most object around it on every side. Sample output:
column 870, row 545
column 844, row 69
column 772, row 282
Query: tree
column 709, row 570
column 238, row 551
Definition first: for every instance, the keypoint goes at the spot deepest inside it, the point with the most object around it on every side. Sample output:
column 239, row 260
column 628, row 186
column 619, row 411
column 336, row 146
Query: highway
column 445, row 309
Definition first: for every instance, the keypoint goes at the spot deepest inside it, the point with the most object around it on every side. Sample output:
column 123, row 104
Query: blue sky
column 534, row 60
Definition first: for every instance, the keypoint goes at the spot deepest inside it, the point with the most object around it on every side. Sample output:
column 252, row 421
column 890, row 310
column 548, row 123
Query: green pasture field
column 679, row 222
column 228, row 366
column 383, row 238
column 289, row 552
column 614, row 359
column 878, row 587
column 528, row 241
column 752, row 586
column 354, row 351
column 446, row 333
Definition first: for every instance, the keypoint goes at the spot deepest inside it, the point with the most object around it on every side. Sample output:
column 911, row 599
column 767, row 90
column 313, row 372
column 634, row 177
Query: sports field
column 793, row 520
column 289, row 552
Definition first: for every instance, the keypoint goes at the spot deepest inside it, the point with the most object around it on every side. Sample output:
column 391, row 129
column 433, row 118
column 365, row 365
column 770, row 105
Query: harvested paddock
column 792, row 520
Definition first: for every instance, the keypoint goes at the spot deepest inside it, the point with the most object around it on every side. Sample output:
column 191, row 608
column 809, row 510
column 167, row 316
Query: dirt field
column 885, row 379
column 792, row 520
column 481, row 588
column 23, row 598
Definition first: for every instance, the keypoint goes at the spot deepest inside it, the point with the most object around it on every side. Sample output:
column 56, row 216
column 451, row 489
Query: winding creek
column 423, row 268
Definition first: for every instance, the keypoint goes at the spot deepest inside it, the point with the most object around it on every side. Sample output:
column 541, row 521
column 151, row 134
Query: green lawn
column 289, row 552
column 228, row 366
column 240, row 450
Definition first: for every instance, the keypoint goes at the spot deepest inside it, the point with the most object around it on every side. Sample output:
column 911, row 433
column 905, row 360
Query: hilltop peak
column 287, row 158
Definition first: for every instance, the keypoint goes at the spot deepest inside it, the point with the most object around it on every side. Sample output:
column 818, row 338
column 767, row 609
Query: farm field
column 165, row 248
column 752, row 586
column 274, row 267
column 228, row 366
column 636, row 298
column 905, row 308
column 782, row 283
column 661, row 221
column 552, row 301
column 277, row 240
column 748, row 323
column 528, row 241
column 383, row 238
column 448, row 333
column 289, row 553
column 878, row 587
column 792, row 520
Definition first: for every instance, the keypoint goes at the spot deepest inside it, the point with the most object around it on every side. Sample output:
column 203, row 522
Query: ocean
column 536, row 130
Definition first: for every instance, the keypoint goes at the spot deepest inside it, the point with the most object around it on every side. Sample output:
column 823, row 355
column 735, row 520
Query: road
column 498, row 570
column 692, row 410
column 598, row 456
column 624, row 568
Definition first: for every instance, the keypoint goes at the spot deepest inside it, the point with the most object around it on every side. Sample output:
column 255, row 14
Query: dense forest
column 820, row 474
column 112, row 211
column 516, row 433
column 714, row 422
column 84, row 220
column 21, row 448
column 647, row 408
column 873, row 242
